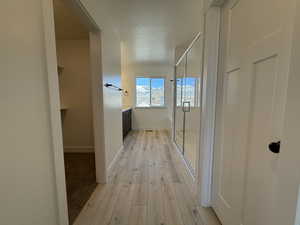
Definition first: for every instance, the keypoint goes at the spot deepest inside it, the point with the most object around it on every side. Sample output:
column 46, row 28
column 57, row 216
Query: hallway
column 148, row 186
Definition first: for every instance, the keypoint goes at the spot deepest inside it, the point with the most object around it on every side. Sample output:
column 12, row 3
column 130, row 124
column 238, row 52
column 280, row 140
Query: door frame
column 54, row 100
column 209, row 103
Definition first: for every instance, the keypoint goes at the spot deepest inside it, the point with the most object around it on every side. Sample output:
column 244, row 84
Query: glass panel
column 179, row 115
column 157, row 92
column 142, row 92
column 192, row 94
column 179, row 91
column 190, row 90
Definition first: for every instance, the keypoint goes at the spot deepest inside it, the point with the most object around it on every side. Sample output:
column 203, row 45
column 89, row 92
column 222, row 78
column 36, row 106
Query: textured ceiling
column 151, row 29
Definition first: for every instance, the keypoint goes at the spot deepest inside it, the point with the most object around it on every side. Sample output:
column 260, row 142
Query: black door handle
column 188, row 109
column 275, row 147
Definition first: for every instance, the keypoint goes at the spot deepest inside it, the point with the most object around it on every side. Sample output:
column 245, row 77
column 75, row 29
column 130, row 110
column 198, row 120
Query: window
column 187, row 90
column 150, row 92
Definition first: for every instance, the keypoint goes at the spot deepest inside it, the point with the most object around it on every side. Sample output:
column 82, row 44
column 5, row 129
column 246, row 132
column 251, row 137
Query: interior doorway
column 74, row 75
column 73, row 49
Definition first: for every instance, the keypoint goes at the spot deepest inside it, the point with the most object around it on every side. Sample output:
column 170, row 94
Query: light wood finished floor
column 149, row 185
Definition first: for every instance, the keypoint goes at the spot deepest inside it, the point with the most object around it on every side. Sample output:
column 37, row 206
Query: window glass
column 179, row 91
column 157, row 92
column 190, row 90
column 150, row 92
column 143, row 92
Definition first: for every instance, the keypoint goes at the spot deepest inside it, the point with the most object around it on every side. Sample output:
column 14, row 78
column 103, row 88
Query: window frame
column 151, row 106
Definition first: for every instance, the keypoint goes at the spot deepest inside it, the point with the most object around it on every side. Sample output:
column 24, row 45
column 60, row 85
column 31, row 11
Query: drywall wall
column 148, row 118
column 26, row 162
column 111, row 61
column 27, row 192
column 75, row 87
column 112, row 98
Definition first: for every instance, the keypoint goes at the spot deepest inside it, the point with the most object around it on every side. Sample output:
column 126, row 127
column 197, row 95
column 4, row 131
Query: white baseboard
column 79, row 149
column 154, row 129
column 115, row 159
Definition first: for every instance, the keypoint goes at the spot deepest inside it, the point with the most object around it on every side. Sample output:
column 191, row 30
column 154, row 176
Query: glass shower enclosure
column 187, row 105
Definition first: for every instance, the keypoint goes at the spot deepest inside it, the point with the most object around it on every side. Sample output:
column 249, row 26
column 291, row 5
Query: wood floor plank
column 188, row 208
column 155, row 209
column 149, row 185
column 171, row 205
column 101, row 209
column 123, row 205
column 138, row 215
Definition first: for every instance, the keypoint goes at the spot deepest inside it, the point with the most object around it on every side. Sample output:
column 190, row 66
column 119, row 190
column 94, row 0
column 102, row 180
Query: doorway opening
column 73, row 49
column 74, row 75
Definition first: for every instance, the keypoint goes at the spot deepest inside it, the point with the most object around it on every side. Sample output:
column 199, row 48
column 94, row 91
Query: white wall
column 28, row 189
column 111, row 61
column 148, row 118
column 75, row 87
column 27, row 192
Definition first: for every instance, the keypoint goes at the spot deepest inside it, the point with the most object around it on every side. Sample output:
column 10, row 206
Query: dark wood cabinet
column 127, row 121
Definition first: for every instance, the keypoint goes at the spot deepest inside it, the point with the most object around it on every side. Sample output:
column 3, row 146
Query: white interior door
column 246, row 170
column 266, row 105
column 231, row 131
column 245, row 189
column 230, row 161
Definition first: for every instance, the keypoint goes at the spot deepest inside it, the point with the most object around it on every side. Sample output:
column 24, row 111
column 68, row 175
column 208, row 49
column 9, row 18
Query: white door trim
column 54, row 100
column 210, row 75
column 98, row 106
column 54, row 109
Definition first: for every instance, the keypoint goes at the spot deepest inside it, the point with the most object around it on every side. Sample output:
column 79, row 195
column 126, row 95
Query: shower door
column 179, row 114
column 192, row 97
column 188, row 104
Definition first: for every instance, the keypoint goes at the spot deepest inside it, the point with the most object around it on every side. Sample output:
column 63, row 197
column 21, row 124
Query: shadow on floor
column 80, row 181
